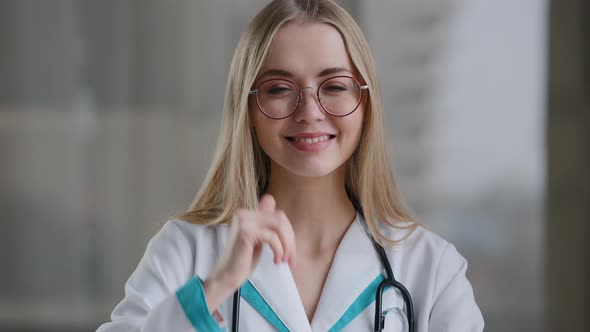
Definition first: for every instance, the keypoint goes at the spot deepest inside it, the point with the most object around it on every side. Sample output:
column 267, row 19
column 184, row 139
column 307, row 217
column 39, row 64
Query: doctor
column 297, row 203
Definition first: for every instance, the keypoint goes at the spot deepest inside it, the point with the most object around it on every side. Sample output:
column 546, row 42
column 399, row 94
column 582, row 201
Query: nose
column 309, row 109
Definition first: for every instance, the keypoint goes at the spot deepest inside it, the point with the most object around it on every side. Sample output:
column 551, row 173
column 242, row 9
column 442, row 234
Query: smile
column 308, row 144
column 311, row 140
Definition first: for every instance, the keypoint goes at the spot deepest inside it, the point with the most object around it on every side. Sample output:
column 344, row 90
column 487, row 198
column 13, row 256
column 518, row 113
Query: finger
column 267, row 203
column 278, row 223
column 289, row 234
column 272, row 238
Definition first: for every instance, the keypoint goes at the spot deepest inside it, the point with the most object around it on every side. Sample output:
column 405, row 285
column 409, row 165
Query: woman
column 298, row 203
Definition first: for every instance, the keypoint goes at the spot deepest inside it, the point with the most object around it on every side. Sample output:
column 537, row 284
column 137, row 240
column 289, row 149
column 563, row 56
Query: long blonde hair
column 240, row 170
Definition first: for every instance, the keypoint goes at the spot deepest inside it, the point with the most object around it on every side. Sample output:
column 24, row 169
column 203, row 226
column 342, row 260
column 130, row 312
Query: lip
column 311, row 147
column 311, row 135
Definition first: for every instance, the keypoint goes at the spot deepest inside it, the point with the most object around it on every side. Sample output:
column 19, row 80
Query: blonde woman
column 299, row 225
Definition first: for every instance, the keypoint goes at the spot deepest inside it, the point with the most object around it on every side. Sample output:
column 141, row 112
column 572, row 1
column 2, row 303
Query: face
column 307, row 54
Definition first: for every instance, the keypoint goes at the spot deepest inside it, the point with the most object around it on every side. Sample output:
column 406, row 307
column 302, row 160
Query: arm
column 162, row 294
column 454, row 308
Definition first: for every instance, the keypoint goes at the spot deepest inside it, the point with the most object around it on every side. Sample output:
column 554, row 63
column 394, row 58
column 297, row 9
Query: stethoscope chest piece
column 396, row 319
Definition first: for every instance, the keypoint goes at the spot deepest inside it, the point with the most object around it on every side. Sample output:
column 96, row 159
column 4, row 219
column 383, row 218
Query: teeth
column 312, row 140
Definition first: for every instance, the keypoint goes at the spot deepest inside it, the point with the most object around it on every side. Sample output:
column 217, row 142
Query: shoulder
column 416, row 238
column 182, row 241
column 180, row 230
column 425, row 250
column 438, row 277
column 445, row 261
column 198, row 237
column 435, row 273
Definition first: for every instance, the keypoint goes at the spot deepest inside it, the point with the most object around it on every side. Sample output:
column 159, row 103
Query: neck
column 317, row 207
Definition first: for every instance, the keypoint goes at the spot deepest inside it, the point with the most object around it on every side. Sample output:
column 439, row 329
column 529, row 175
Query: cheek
column 266, row 132
column 355, row 125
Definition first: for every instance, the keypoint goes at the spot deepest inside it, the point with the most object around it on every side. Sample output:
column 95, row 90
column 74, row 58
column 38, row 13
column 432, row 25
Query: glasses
column 278, row 98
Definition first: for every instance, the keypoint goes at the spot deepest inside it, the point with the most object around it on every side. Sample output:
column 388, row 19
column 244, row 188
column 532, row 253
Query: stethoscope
column 379, row 314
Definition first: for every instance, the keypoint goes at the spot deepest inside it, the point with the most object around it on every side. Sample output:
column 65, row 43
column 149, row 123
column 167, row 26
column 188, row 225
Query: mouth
column 310, row 140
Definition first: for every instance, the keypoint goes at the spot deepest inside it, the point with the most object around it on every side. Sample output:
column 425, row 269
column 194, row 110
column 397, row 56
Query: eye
column 277, row 90
column 335, row 87
column 338, row 86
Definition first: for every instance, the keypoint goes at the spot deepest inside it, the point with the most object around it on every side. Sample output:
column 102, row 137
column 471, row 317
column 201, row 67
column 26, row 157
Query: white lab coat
column 164, row 293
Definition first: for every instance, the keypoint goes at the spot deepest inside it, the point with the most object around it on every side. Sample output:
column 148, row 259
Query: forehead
column 307, row 48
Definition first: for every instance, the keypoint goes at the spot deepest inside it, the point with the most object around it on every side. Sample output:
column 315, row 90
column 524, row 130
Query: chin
column 310, row 173
column 310, row 170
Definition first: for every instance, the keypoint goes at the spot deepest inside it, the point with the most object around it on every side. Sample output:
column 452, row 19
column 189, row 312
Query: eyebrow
column 285, row 73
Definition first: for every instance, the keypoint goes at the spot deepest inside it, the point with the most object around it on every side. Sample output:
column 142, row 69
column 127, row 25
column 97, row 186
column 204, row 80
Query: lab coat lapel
column 277, row 287
column 355, row 266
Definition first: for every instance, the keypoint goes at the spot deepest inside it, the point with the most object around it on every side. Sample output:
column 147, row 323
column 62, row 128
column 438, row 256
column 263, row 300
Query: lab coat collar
column 355, row 266
column 277, row 287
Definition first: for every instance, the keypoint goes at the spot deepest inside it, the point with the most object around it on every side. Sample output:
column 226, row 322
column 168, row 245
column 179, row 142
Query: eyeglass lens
column 279, row 98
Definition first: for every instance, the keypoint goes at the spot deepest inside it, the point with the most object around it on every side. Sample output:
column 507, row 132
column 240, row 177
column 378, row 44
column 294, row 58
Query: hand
column 249, row 231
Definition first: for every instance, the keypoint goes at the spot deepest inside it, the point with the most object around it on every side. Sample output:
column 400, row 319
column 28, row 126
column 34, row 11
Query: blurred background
column 109, row 113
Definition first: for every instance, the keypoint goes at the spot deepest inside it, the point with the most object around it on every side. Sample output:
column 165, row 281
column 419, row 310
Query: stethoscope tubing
column 235, row 324
column 390, row 281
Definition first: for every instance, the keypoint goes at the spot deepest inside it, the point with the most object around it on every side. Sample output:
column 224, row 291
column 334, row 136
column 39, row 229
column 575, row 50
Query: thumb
column 267, row 203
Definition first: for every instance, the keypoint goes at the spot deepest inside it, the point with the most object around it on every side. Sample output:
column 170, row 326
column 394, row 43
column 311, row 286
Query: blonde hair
column 240, row 170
